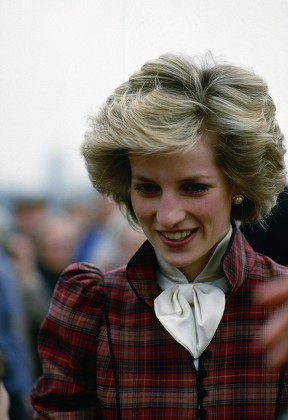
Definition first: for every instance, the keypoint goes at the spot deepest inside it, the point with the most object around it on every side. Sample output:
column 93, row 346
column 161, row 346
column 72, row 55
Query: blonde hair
column 167, row 105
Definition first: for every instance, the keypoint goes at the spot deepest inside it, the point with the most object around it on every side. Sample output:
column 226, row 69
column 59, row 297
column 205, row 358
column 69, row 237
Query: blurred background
column 60, row 59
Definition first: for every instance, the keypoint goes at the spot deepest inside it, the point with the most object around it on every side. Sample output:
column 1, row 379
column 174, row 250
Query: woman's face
column 183, row 204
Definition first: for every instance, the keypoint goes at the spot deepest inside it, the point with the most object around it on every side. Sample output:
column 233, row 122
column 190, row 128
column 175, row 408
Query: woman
column 186, row 147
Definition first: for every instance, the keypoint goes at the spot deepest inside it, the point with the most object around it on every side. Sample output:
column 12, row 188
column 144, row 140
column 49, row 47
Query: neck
column 207, row 269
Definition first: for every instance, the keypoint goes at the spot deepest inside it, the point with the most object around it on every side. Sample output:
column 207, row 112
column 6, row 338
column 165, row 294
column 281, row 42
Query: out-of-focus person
column 34, row 293
column 271, row 236
column 105, row 238
column 55, row 241
column 100, row 233
column 28, row 214
column 13, row 346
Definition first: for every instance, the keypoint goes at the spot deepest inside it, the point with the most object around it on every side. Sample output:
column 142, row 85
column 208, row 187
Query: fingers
column 272, row 293
column 277, row 356
column 274, row 338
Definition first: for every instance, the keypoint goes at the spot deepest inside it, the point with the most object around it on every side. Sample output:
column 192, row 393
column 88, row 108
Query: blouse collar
column 168, row 275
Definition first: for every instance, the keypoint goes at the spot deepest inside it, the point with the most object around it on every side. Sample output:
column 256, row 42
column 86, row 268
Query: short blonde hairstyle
column 168, row 105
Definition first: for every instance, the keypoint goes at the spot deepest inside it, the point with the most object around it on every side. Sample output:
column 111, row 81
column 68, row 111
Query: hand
column 274, row 333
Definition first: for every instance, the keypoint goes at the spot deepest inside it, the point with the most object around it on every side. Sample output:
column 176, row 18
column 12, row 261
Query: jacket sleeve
column 67, row 347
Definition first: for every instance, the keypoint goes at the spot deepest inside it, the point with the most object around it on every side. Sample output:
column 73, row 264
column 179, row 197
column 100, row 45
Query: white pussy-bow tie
column 191, row 313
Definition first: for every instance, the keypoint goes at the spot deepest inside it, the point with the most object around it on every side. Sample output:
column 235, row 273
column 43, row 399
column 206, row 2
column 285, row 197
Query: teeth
column 176, row 235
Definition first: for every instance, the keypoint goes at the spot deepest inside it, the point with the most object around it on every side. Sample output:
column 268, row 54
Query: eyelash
column 142, row 187
column 193, row 189
column 196, row 188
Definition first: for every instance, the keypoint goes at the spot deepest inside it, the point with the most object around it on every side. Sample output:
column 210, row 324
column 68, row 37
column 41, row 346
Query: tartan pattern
column 106, row 356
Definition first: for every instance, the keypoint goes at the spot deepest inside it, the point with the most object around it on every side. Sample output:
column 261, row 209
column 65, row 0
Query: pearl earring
column 237, row 199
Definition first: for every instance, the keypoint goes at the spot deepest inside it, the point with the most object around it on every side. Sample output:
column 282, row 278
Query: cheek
column 140, row 207
column 215, row 209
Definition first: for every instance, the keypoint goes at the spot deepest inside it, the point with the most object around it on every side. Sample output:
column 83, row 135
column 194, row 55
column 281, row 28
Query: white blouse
column 191, row 311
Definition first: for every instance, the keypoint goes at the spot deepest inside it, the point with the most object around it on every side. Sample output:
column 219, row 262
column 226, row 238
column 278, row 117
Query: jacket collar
column 238, row 260
column 141, row 274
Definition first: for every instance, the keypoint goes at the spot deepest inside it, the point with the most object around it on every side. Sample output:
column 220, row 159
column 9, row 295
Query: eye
column 195, row 188
column 146, row 189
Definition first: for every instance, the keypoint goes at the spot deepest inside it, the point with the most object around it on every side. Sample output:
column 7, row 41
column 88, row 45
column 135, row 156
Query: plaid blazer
column 106, row 356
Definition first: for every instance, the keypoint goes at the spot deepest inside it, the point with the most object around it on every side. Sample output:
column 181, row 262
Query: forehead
column 200, row 157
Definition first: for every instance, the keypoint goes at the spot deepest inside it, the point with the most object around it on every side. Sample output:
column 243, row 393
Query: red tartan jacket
column 106, row 356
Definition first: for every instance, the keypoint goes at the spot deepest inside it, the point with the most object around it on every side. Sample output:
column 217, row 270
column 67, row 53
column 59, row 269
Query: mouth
column 177, row 236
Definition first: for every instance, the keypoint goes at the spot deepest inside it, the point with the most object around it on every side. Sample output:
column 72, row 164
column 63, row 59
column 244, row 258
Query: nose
column 170, row 211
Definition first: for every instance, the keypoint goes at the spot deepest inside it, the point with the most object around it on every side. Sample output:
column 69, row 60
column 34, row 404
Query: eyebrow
column 141, row 178
column 195, row 177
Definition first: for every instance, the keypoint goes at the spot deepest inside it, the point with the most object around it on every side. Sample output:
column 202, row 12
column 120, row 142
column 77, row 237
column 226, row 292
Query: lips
column 177, row 236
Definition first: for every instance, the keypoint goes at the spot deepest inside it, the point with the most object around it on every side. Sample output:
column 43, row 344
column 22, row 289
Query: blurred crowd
column 37, row 241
